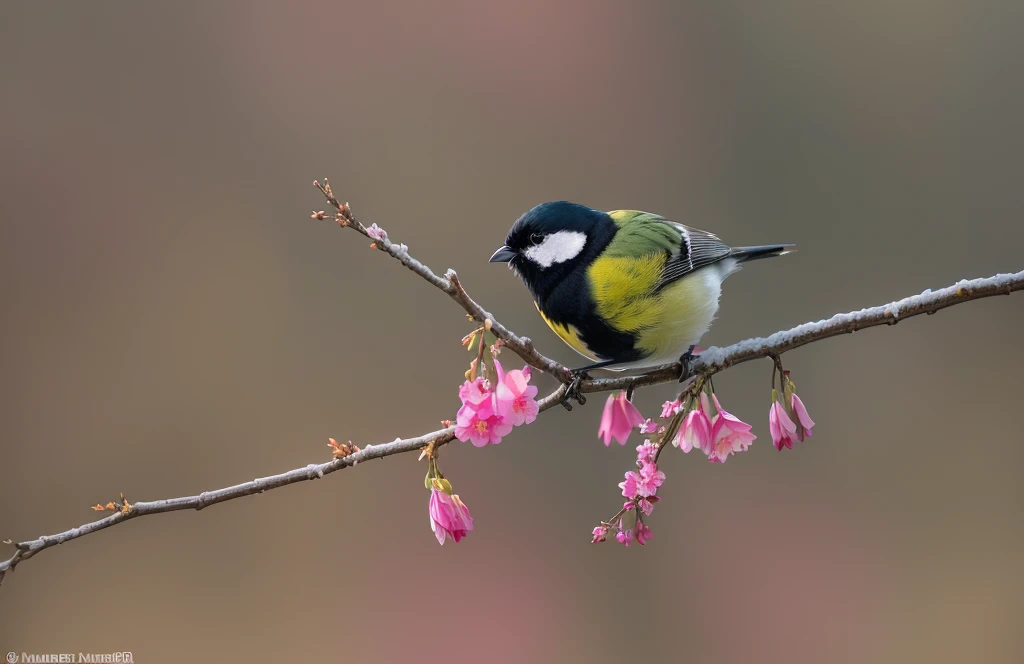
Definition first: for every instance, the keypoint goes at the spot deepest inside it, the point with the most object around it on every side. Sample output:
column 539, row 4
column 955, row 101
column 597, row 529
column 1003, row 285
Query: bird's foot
column 576, row 376
column 686, row 360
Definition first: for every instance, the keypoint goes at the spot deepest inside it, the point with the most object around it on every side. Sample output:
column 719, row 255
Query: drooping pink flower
column 600, row 533
column 648, row 426
column 695, row 431
column 646, row 452
column 781, row 427
column 727, row 442
column 670, row 408
column 624, row 536
column 517, row 399
column 729, row 434
column 643, row 533
column 376, row 232
column 649, row 479
column 618, row 419
column 629, row 485
column 449, row 516
column 804, row 423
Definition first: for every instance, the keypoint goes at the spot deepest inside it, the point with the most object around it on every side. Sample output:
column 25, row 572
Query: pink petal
column 604, row 431
column 464, row 517
column 632, row 415
column 695, row 431
column 517, row 382
column 780, row 426
column 670, row 408
column 728, row 419
column 801, row 414
column 629, row 485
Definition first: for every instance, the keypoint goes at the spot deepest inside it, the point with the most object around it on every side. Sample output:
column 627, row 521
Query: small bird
column 625, row 289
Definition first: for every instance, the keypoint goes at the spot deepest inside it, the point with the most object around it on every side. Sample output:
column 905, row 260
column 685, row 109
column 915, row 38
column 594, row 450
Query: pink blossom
column 643, row 533
column 480, row 431
column 649, row 479
column 601, row 533
column 804, row 423
column 648, row 426
column 695, row 431
column 517, row 399
column 646, row 452
column 618, row 419
column 670, row 408
column 629, row 486
column 624, row 536
column 781, row 427
column 478, row 420
column 478, row 396
column 729, row 420
column 376, row 232
column 449, row 516
column 729, row 435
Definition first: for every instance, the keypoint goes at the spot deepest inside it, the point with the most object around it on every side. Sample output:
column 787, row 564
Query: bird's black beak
column 503, row 255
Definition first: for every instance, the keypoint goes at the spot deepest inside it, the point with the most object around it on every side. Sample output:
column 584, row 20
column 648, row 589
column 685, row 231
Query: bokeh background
column 173, row 322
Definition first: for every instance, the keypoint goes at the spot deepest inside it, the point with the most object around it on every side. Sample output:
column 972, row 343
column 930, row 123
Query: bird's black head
column 547, row 243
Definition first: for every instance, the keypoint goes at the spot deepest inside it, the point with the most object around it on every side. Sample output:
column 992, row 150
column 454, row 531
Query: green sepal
column 787, row 396
column 439, row 484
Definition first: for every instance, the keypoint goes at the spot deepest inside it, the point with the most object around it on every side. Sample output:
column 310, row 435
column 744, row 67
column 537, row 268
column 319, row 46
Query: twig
column 709, row 362
column 450, row 284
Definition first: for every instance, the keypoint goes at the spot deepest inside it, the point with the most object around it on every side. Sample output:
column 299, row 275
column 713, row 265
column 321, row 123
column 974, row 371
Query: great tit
column 625, row 288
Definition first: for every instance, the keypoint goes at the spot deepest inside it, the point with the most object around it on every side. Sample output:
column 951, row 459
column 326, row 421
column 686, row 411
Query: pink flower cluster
column 705, row 426
column 645, row 482
column 783, row 427
column 449, row 516
column 719, row 436
column 639, row 488
column 488, row 412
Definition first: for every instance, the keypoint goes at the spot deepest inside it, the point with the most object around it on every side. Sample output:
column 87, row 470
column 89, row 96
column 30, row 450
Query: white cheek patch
column 557, row 248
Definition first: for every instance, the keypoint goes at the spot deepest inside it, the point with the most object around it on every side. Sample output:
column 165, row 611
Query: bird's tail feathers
column 743, row 254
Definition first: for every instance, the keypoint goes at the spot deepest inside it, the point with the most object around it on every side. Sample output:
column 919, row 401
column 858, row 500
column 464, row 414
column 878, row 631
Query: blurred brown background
column 173, row 322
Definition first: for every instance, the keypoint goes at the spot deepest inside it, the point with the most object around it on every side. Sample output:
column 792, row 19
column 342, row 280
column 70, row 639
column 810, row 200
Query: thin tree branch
column 716, row 359
column 710, row 361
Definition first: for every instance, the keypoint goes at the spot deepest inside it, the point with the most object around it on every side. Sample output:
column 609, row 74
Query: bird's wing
column 688, row 249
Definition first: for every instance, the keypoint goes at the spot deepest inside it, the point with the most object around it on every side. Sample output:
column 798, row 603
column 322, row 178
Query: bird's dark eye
column 536, row 238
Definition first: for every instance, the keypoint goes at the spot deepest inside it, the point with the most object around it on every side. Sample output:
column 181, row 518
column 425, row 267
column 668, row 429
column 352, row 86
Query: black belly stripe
column 570, row 303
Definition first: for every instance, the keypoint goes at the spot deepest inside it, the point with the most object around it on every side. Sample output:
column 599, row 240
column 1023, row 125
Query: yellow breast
column 665, row 322
column 623, row 289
